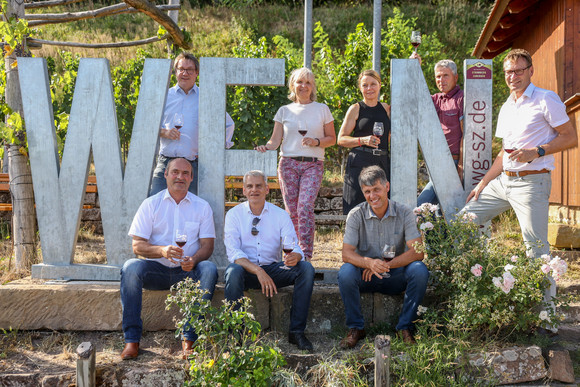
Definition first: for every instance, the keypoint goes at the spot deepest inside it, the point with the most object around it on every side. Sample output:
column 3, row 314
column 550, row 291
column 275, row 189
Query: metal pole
column 377, row 14
column 308, row 33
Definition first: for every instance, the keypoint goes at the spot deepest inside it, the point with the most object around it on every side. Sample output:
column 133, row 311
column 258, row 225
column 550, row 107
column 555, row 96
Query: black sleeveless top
column 367, row 116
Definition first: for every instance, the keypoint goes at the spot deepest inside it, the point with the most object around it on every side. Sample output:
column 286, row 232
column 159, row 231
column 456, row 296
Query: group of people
column 532, row 123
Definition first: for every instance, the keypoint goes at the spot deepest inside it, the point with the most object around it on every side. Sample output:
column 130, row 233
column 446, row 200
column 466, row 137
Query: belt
column 178, row 157
column 300, row 158
column 375, row 152
column 524, row 173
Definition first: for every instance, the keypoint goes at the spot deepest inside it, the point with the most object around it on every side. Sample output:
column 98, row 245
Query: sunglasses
column 255, row 231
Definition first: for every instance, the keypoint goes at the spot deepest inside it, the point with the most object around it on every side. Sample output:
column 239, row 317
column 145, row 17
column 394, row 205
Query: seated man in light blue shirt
column 254, row 231
column 182, row 102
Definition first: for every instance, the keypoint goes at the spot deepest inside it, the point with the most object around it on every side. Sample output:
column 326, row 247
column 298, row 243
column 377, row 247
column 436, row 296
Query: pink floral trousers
column 299, row 183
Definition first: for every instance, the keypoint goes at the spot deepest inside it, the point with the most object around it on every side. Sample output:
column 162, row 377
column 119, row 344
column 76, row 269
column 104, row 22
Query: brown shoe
column 131, row 351
column 353, row 336
column 406, row 336
column 187, row 347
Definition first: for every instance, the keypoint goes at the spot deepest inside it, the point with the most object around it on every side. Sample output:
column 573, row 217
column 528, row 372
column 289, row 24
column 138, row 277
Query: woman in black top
column 357, row 133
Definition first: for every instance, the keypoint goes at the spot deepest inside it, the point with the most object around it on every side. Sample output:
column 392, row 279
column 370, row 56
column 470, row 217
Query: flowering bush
column 481, row 285
column 229, row 350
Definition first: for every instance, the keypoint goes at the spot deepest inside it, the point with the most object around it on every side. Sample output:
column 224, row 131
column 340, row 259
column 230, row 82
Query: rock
column 564, row 236
column 91, row 214
column 61, row 380
column 325, row 192
column 153, row 377
column 560, row 366
column 336, row 203
column 91, row 198
column 510, row 365
column 301, row 363
column 322, row 204
column 19, row 380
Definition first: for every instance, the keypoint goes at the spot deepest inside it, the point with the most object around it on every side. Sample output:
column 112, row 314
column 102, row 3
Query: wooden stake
column 86, row 370
column 382, row 361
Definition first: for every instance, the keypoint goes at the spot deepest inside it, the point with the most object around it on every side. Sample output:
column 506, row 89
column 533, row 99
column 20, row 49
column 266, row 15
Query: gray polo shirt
column 369, row 233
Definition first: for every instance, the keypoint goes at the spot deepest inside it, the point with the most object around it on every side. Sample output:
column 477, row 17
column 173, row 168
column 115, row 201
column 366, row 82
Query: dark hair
column 518, row 53
column 370, row 175
column 172, row 161
column 186, row 56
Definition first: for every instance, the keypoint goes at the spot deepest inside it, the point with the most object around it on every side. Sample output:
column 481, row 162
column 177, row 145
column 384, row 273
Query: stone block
column 509, row 365
column 564, row 236
column 336, row 203
column 90, row 198
column 5, row 197
column 565, row 214
column 147, row 377
column 91, row 214
column 560, row 366
column 321, row 204
column 325, row 192
column 387, row 309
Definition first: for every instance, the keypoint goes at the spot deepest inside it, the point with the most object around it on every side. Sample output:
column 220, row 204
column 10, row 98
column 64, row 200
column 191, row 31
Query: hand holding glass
column 288, row 244
column 180, row 240
column 178, row 120
column 388, row 254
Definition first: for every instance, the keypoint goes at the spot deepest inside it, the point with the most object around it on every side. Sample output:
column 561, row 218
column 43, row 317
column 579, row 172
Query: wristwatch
column 541, row 151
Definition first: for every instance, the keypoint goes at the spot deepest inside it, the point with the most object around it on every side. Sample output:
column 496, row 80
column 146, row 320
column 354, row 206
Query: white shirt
column 188, row 105
column 264, row 248
column 529, row 122
column 159, row 217
column 311, row 117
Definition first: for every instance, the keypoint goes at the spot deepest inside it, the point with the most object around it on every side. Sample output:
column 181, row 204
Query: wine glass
column 180, row 240
column 415, row 39
column 388, row 254
column 378, row 129
column 302, row 130
column 178, row 120
column 288, row 244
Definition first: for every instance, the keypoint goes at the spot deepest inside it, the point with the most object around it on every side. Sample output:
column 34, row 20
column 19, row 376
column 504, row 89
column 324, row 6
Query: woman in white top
column 304, row 128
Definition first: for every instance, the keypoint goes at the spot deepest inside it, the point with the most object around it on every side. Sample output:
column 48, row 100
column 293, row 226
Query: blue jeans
column 139, row 274
column 411, row 279
column 428, row 194
column 301, row 276
column 158, row 182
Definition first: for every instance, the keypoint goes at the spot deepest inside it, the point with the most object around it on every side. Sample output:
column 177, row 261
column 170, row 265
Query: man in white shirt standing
column 182, row 102
column 254, row 231
column 533, row 125
column 157, row 223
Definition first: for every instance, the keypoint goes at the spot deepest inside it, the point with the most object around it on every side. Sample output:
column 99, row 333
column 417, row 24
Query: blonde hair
column 369, row 73
column 297, row 74
column 518, row 53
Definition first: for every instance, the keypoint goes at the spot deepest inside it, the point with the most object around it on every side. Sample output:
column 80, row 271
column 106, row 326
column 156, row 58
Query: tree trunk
column 23, row 213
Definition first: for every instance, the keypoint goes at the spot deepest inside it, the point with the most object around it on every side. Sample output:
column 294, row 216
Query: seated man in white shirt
column 160, row 218
column 254, row 231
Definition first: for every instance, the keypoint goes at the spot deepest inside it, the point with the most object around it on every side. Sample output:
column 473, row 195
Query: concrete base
column 93, row 305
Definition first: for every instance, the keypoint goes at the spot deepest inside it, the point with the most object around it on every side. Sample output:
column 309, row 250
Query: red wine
column 415, row 44
column 181, row 243
column 509, row 150
column 287, row 251
column 302, row 132
column 178, row 127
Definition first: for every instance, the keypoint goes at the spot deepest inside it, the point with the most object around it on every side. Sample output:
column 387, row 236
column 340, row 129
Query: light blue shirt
column 264, row 248
column 188, row 105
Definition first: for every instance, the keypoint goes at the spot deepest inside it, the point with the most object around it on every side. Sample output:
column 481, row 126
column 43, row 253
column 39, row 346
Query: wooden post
column 86, row 370
column 382, row 361
column 23, row 215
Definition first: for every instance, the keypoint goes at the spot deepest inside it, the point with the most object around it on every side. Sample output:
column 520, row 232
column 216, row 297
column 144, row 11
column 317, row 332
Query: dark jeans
column 301, row 276
column 411, row 279
column 139, row 274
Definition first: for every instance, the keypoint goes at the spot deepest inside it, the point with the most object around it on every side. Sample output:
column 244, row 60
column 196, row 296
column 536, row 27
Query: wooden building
column 550, row 31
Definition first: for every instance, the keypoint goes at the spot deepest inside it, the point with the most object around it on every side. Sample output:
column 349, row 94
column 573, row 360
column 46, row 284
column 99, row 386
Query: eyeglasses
column 187, row 71
column 517, row 72
column 255, row 231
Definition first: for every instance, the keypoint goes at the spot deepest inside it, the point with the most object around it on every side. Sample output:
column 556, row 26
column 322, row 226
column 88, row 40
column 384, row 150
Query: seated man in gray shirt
column 254, row 233
column 371, row 226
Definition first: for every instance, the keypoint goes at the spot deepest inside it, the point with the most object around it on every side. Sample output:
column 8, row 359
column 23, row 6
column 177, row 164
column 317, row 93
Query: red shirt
column 449, row 108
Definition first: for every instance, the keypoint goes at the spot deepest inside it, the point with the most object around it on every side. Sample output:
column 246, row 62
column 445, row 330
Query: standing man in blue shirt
column 182, row 99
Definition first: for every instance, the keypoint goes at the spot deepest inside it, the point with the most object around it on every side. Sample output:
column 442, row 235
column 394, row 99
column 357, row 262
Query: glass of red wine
column 302, row 129
column 288, row 245
column 178, row 120
column 180, row 240
column 388, row 254
column 378, row 129
column 415, row 39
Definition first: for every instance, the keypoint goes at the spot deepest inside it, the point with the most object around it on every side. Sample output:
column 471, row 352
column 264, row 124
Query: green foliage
column 229, row 350
column 483, row 286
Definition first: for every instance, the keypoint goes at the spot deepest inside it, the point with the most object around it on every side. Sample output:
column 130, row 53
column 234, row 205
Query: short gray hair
column 370, row 175
column 448, row 64
column 255, row 173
